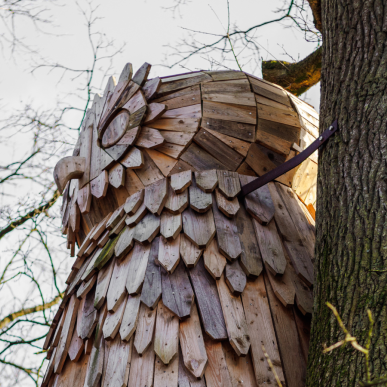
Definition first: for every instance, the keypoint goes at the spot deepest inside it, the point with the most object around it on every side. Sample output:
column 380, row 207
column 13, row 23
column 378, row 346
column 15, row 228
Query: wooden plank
column 171, row 225
column 86, row 287
column 186, row 97
column 234, row 317
column 133, row 220
column 218, row 149
column 273, row 142
column 130, row 318
column 166, row 375
column 258, row 203
column 193, row 111
column 286, row 117
column 208, row 302
column 229, row 184
column 304, row 295
column 251, row 260
column 150, row 88
column 125, row 243
column 269, row 91
column 171, row 150
column 149, row 173
column 151, row 290
column 72, row 374
column 145, row 328
column 132, row 182
column 166, row 335
column 103, row 239
column 192, row 344
column 177, row 124
column 117, row 291
column 103, row 282
column 293, row 361
column 217, row 374
column 199, row 201
column 283, row 287
column 155, row 111
column 85, row 147
column 142, row 73
column 270, row 247
column 227, row 207
column 95, row 367
column 200, row 159
column 303, row 328
column 134, row 159
column 228, row 86
column 266, row 101
column 169, row 256
column 118, row 228
column 181, row 166
column 113, row 321
column 206, row 180
column 116, row 129
column 118, row 356
column 182, row 83
column 226, row 75
column 235, row 278
column 137, row 268
column 239, row 146
column 75, row 217
column 261, row 331
column 99, row 185
column 66, row 335
column 141, row 369
column 246, row 98
column 115, row 218
column 279, row 131
column 156, row 196
column 181, row 181
column 58, row 331
column 230, row 112
column 162, row 161
column 147, row 229
column 149, row 138
column 189, row 252
column 84, row 199
column 134, row 202
column 76, row 347
column 227, row 235
column 186, row 379
column 199, row 228
column 243, row 131
column 137, row 101
column 118, row 150
column 179, row 138
column 214, row 261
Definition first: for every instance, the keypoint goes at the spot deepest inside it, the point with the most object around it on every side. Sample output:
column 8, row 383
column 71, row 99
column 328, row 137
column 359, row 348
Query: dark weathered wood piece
column 258, row 203
column 227, row 235
column 251, row 260
column 151, row 290
column 134, row 202
column 206, row 180
column 208, row 302
column 304, row 295
column 200, row 159
column 239, row 130
column 229, row 184
column 156, row 196
column 181, row 181
column 228, row 207
column 150, row 88
column 199, row 228
column 235, row 277
column 147, row 229
column 115, row 218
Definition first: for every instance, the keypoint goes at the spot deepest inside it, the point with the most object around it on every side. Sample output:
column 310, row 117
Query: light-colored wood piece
column 136, row 102
column 113, row 321
column 164, row 163
column 150, row 173
column 200, row 201
column 171, row 150
column 155, row 111
column 166, row 334
column 240, row 146
column 176, row 204
column 116, row 129
column 142, row 369
column 134, row 202
column 229, row 184
column 214, row 261
column 103, row 282
column 150, row 88
column 228, row 207
column 226, row 75
column 149, row 138
column 76, row 347
column 134, row 159
column 192, row 344
column 230, row 112
column 137, row 268
column 206, row 180
column 193, row 111
column 189, row 252
column 117, row 176
column 166, row 375
column 145, row 329
column 115, row 218
column 169, row 256
column 171, row 225
column 131, row 221
column 235, row 319
column 181, row 181
column 156, row 196
column 141, row 75
column 132, row 183
column 84, row 199
column 179, row 138
column 103, row 239
column 125, row 243
column 130, row 318
column 86, row 287
column 147, row 229
column 177, row 124
column 100, row 185
column 71, row 167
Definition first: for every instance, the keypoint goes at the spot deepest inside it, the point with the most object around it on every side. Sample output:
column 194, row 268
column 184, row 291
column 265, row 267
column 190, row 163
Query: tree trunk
column 351, row 241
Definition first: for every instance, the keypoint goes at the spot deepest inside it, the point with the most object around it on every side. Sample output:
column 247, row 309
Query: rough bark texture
column 295, row 77
column 351, row 243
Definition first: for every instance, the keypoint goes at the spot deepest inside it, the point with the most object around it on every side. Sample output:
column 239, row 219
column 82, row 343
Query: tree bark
column 294, row 77
column 351, row 223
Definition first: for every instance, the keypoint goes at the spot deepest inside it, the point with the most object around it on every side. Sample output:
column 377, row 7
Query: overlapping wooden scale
column 145, row 328
column 147, row 229
column 169, row 256
column 137, row 268
column 171, row 225
column 176, row 203
column 156, row 196
column 130, row 317
column 189, row 253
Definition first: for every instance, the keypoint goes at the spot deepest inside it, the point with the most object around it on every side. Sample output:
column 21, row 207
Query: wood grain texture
column 189, row 253
column 226, row 206
column 206, row 180
column 132, row 183
column 169, row 256
column 103, row 282
column 270, row 247
column 282, row 287
column 180, row 82
column 141, row 76
column 186, row 379
column 245, row 132
column 135, row 219
column 162, row 161
column 258, row 203
column 235, row 278
column 171, row 150
column 151, row 290
column 218, row 150
column 72, row 373
column 150, row 88
column 269, row 91
column 261, row 331
column 187, row 125
column 85, row 287
column 230, row 112
column 200, row 159
column 155, row 111
column 304, row 295
column 227, row 235
column 137, row 101
column 115, row 218
column 239, row 146
column 125, row 242
column 166, row 375
column 130, row 318
column 199, row 201
column 176, row 203
column 193, row 111
column 99, row 185
column 147, row 229
column 171, row 225
column 234, row 317
column 192, row 344
column 181, row 181
column 185, row 97
column 113, row 321
column 214, row 261
column 166, row 334
column 145, row 328
column 149, row 138
column 134, row 159
column 208, row 302
column 84, row 199
column 199, row 228
column 228, row 184
column 179, row 138
column 142, row 369
column 156, row 196
column 122, row 147
column 76, row 347
column 149, row 173
column 137, row 268
column 251, row 260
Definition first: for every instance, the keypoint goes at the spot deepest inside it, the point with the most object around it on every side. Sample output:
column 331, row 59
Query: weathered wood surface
column 188, row 125
column 133, row 220
column 181, row 181
column 189, row 253
column 229, row 184
column 208, row 302
column 199, row 228
column 103, row 282
column 239, row 130
column 116, row 152
column 162, row 161
column 84, row 199
column 156, row 196
column 150, row 88
column 72, row 373
column 258, row 203
column 230, row 112
column 167, row 334
column 113, row 321
column 155, row 111
column 71, row 167
column 171, row 225
column 149, row 138
column 142, row 368
column 169, row 256
column 76, row 347
column 166, row 375
column 179, row 138
column 283, row 287
column 186, row 379
column 116, row 129
column 192, row 344
column 234, row 317
column 141, row 76
column 115, row 218
column 145, row 328
column 134, row 202
column 132, row 183
column 151, row 290
column 117, row 176
column 227, row 207
column 214, row 261
column 147, row 229
column 261, row 331
column 304, row 295
column 149, row 173
column 125, row 242
column 99, row 185
column 85, row 287
column 235, row 277
column 206, row 180
column 186, row 97
column 137, row 268
column 130, row 318
column 200, row 159
column 134, row 159
column 176, row 203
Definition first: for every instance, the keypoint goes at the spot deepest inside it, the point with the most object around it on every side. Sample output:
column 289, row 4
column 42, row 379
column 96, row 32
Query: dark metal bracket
column 292, row 163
